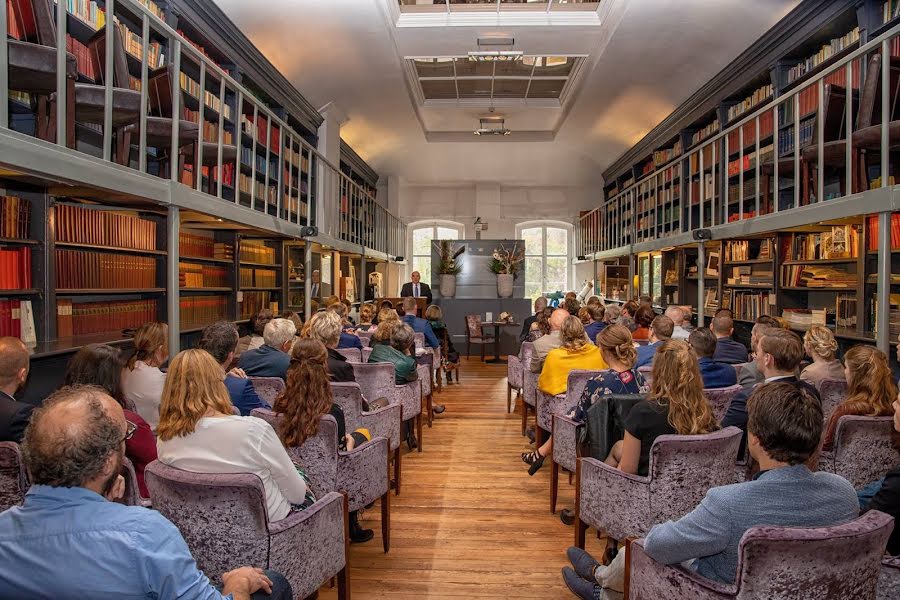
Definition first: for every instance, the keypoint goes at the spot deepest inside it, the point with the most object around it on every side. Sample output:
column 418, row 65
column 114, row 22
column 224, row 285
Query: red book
column 5, row 318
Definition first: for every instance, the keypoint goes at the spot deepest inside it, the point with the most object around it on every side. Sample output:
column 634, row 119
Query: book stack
column 79, row 225
column 192, row 275
column 746, row 276
column 816, row 276
column 201, row 246
column 202, row 310
column 872, row 232
column 748, row 306
column 80, row 269
column 253, row 302
column 828, row 50
column 257, row 278
column 82, row 57
column 758, row 96
column 15, row 217
column 804, row 318
column 97, row 317
column 257, row 252
column 15, row 269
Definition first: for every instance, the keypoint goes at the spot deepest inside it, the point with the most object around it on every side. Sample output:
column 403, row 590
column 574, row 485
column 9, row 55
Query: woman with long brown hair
column 871, row 388
column 199, row 432
column 142, row 379
column 541, row 325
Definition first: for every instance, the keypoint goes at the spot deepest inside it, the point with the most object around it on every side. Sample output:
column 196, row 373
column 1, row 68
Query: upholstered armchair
column 366, row 353
column 720, row 399
column 475, row 335
column 132, row 495
column 529, row 382
column 889, row 580
column 13, row 477
column 362, row 473
column 365, row 337
column 268, row 388
column 647, row 373
column 831, row 392
column 862, row 450
column 682, row 469
column 377, row 380
column 351, row 354
column 224, row 521
column 426, row 386
column 778, row 563
column 515, row 373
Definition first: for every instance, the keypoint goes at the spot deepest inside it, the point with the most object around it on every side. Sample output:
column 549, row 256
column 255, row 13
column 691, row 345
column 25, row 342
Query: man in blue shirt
column 418, row 325
column 593, row 329
column 727, row 350
column 714, row 374
column 660, row 331
column 220, row 339
column 69, row 540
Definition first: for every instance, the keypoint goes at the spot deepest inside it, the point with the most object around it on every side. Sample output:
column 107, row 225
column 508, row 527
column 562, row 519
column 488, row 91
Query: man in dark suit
column 14, row 415
column 317, row 288
column 220, row 339
column 727, row 350
column 416, row 289
column 714, row 374
column 271, row 359
column 540, row 304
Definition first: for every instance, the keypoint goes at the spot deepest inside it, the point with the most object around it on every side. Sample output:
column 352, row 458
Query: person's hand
column 349, row 442
column 118, row 489
column 248, row 580
column 238, row 372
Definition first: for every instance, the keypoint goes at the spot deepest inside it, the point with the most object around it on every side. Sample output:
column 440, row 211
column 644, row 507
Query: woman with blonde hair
column 387, row 320
column 326, row 328
column 820, row 345
column 576, row 352
column 366, row 314
column 199, row 432
column 871, row 389
column 142, row 379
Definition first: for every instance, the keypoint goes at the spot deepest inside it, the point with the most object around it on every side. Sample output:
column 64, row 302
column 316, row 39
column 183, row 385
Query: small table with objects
column 496, row 360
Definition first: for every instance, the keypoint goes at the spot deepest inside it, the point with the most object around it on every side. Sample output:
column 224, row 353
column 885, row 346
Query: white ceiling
column 645, row 58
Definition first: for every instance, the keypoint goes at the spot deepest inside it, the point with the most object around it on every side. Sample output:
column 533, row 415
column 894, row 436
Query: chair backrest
column 738, row 367
column 351, row 354
column 647, row 373
column 889, row 581
column 349, row 397
column 43, row 19
column 720, row 399
column 831, row 392
column 863, row 451
column 376, row 380
column 841, row 561
column 268, row 388
column 577, row 381
column 366, row 353
column 684, row 467
column 473, row 327
column 419, row 339
column 525, row 353
column 13, row 477
column 222, row 517
column 132, row 495
column 365, row 337
column 97, row 47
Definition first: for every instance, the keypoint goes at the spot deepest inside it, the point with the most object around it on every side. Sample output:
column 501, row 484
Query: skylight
column 495, row 5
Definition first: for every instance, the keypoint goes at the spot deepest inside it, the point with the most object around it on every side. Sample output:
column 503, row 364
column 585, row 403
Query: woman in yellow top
column 576, row 352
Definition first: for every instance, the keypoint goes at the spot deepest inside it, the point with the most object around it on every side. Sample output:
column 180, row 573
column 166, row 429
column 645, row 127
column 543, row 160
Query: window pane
column 534, row 284
column 445, row 233
column 557, row 279
column 532, row 237
column 422, row 264
column 422, row 241
column 557, row 242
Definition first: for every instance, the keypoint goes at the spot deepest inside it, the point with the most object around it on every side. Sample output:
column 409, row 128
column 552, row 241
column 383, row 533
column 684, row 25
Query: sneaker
column 584, row 563
column 437, row 409
column 585, row 590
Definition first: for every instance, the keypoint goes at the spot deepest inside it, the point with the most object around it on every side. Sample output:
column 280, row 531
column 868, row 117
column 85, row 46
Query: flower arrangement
column 448, row 253
column 507, row 262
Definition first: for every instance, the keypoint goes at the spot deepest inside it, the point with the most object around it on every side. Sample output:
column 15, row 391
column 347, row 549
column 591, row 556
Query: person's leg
column 281, row 588
column 867, row 492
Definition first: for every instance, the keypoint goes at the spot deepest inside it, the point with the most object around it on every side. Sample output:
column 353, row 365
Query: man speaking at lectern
column 416, row 289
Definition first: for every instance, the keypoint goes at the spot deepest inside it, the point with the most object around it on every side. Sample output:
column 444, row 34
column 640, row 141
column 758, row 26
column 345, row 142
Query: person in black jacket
column 727, row 350
column 14, row 415
column 540, row 304
column 326, row 328
column 416, row 289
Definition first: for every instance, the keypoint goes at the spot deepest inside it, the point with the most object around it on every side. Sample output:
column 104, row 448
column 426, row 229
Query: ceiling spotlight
column 492, row 125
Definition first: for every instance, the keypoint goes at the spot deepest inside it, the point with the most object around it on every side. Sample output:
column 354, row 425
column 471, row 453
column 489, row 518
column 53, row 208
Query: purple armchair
column 366, row 353
column 351, row 354
column 832, row 392
column 13, row 477
column 268, row 388
column 426, row 385
column 720, row 399
column 223, row 520
column 132, row 495
column 365, row 337
column 862, row 451
column 529, row 382
column 778, row 563
column 515, row 373
column 889, row 580
column 682, row 469
column 362, row 473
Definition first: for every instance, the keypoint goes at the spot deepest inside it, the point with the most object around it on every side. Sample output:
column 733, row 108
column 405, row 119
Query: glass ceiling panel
column 434, row 67
column 474, row 68
column 496, row 5
column 553, row 66
column 474, row 88
column 510, row 88
column 439, row 89
column 546, row 88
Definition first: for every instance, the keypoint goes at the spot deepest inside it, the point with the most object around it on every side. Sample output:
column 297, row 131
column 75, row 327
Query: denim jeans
column 867, row 492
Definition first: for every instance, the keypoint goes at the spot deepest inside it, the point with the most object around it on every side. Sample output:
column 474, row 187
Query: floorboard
column 469, row 522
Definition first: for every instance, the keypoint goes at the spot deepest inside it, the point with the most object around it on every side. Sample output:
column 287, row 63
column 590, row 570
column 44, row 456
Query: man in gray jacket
column 544, row 344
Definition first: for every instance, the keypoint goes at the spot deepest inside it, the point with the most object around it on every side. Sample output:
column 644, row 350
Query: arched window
column 548, row 256
column 422, row 234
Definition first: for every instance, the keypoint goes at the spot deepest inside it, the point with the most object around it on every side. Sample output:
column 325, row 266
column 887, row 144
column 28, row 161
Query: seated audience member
column 293, row 318
column 435, row 317
column 570, row 295
column 142, row 380
column 271, row 359
column 714, row 374
column 219, row 339
column 349, row 308
column 870, row 389
column 329, row 300
column 82, row 544
column 347, row 338
column 617, row 349
column 727, row 350
column 612, row 314
column 887, row 498
column 595, row 323
column 820, row 345
column 629, row 309
column 101, row 365
column 540, row 304
column 576, row 352
column 254, row 339
column 594, row 301
column 366, row 314
column 387, row 320
column 779, row 354
column 750, row 374
column 679, row 331
column 541, row 326
column 785, row 426
column 645, row 300
column 306, row 398
column 198, row 432
column 401, row 353
column 326, row 328
column 14, row 363
column 572, row 306
column 544, row 344
column 417, row 324
column 660, row 332
column 643, row 317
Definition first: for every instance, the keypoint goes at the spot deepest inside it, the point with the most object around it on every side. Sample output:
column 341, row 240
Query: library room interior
column 450, row 299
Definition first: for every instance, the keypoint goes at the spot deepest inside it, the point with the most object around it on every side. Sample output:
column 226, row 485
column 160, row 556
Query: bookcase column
column 883, row 287
column 173, row 306
column 701, row 284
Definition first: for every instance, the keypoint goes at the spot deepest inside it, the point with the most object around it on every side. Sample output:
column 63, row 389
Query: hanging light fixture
column 492, row 125
column 488, row 50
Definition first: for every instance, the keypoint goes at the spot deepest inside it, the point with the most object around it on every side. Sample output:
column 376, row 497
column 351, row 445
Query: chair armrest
column 529, row 387
column 565, row 442
column 547, row 406
column 514, row 371
column 614, row 501
column 409, row 396
column 384, row 422
column 649, row 579
column 363, row 472
column 424, row 378
column 307, row 547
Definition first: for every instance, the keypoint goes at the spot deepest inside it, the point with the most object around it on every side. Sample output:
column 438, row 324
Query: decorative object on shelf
column 506, row 264
column 505, row 317
column 448, row 267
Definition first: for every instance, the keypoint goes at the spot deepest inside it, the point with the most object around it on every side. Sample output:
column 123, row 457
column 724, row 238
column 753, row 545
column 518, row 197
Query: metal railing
column 239, row 150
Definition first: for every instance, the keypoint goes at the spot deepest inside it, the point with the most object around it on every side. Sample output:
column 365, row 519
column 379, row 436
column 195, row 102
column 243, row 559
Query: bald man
column 679, row 331
column 69, row 539
column 14, row 415
column 416, row 288
column 544, row 344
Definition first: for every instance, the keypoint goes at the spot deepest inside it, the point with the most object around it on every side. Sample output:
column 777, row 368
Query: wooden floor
column 469, row 522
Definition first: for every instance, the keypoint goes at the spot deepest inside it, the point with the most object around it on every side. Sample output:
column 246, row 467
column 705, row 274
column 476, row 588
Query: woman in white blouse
column 142, row 381
column 198, row 432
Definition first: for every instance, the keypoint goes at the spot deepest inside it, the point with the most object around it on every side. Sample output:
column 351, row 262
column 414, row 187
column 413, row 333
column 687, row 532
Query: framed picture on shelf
column 712, row 299
column 712, row 264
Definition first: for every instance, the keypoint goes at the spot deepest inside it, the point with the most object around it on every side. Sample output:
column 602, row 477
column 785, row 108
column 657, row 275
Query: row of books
column 261, row 129
column 81, row 269
column 253, row 302
column 202, row 310
column 893, row 316
column 258, row 277
column 257, row 252
column 709, row 190
column 192, row 275
column 758, row 96
column 83, row 60
column 746, row 275
column 749, row 306
column 211, row 100
column 739, row 250
column 839, row 242
column 196, row 45
column 786, row 137
column 15, row 217
column 661, row 157
column 707, row 154
column 212, row 174
column 261, row 191
column 210, row 128
column 808, row 104
column 747, row 162
column 816, row 276
column 154, row 8
column 745, row 136
column 872, row 232
column 296, row 206
column 300, row 160
column 734, row 190
column 17, row 320
column 804, row 318
column 201, row 246
column 705, row 132
column 98, row 317
column 134, row 45
column 15, row 268
column 79, row 225
column 834, row 46
column 251, row 158
column 86, row 11
column 845, row 311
